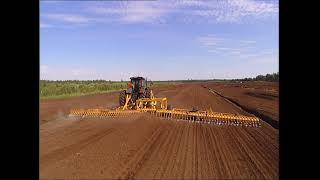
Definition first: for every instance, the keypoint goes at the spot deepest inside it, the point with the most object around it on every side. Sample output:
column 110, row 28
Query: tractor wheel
column 147, row 93
column 122, row 98
column 134, row 97
column 142, row 95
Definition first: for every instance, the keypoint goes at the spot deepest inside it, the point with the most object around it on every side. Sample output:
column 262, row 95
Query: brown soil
column 56, row 108
column 145, row 147
column 262, row 97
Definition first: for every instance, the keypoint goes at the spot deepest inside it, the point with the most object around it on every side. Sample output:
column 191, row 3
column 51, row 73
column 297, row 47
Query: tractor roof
column 137, row 78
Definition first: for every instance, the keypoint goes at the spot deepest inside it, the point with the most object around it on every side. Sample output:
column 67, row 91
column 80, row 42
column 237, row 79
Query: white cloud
column 193, row 10
column 72, row 18
column 235, row 10
column 268, row 61
column 50, row 2
column 217, row 43
column 235, row 52
column 214, row 44
column 76, row 19
column 248, row 42
column 83, row 72
column 223, row 48
column 237, row 49
column 159, row 12
column 65, row 73
column 135, row 11
column 210, row 40
column 258, row 54
column 213, row 51
column 192, row 3
column 75, row 72
column 43, row 25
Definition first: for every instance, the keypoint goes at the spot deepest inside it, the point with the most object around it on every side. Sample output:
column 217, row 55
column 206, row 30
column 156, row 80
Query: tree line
column 75, row 87
column 274, row 77
column 80, row 87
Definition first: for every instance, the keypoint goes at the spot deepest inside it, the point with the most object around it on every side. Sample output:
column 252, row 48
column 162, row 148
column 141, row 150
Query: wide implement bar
column 207, row 117
column 178, row 114
column 101, row 112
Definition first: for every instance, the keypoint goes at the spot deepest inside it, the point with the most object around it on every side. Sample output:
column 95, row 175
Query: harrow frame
column 178, row 114
column 158, row 107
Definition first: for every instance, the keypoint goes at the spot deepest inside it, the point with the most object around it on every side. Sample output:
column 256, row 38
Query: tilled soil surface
column 57, row 108
column 262, row 97
column 145, row 147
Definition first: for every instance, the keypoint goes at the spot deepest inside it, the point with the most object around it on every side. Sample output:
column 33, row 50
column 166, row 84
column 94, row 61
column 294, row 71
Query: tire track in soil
column 264, row 155
column 196, row 153
column 170, row 171
column 201, row 157
column 56, row 127
column 89, row 153
column 240, row 167
column 187, row 145
column 265, row 135
column 62, row 153
column 193, row 154
column 260, row 157
column 149, row 168
column 180, row 153
column 180, row 165
column 268, row 148
column 172, row 154
column 240, row 170
column 121, row 160
column 188, row 173
column 67, row 133
column 248, row 152
column 136, row 160
column 216, row 146
column 245, row 169
column 200, row 150
column 216, row 165
column 220, row 144
column 205, row 154
column 205, row 161
column 169, row 148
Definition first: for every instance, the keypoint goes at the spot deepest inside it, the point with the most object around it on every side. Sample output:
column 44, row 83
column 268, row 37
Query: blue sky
column 161, row 40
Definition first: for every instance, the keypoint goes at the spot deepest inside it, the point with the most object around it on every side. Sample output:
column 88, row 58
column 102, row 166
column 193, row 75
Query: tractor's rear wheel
column 122, row 98
column 134, row 97
column 147, row 93
column 142, row 95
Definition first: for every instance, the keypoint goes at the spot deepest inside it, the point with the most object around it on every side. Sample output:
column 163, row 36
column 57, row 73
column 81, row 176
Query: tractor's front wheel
column 122, row 98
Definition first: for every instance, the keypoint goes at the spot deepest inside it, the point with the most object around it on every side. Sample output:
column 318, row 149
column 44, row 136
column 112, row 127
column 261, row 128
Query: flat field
column 145, row 147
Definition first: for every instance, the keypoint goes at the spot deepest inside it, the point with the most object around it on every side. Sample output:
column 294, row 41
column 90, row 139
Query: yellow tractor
column 139, row 98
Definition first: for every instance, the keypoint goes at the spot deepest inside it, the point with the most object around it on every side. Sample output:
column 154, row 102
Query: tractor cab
column 137, row 89
column 138, row 83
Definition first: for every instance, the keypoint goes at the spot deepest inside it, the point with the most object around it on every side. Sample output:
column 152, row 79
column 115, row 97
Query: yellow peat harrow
column 158, row 107
column 140, row 99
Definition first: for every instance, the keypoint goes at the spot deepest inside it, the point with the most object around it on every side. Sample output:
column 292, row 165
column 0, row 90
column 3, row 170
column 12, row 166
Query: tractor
column 137, row 89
